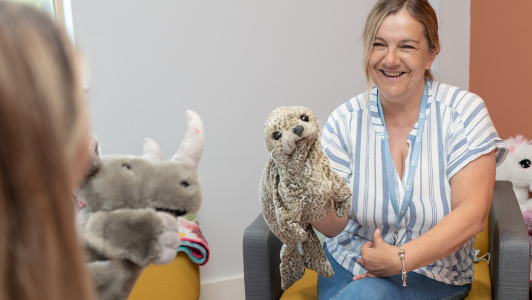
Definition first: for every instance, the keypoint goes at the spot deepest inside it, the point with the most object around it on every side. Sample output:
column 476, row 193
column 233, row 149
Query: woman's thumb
column 377, row 237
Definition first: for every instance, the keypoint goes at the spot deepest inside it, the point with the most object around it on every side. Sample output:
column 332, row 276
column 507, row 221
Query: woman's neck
column 402, row 112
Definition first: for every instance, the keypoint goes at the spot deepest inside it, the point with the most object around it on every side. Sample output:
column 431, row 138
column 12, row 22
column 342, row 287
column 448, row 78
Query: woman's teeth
column 392, row 74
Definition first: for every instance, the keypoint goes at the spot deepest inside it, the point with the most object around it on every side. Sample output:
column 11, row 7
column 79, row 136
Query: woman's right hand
column 379, row 258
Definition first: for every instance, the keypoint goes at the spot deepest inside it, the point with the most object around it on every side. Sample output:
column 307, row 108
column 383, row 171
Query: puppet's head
column 124, row 181
column 287, row 127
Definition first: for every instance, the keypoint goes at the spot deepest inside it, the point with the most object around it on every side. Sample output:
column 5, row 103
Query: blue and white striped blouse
column 457, row 130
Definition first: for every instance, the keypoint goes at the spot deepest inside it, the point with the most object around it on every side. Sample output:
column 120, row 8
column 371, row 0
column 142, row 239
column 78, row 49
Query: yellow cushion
column 481, row 286
column 482, row 241
column 176, row 280
column 306, row 289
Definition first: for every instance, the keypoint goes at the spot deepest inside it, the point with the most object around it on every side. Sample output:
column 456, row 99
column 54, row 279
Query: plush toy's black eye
column 525, row 163
column 184, row 183
column 304, row 118
column 277, row 135
column 126, row 166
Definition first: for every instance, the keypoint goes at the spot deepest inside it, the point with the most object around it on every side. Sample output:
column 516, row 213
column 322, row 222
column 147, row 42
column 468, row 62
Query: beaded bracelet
column 402, row 254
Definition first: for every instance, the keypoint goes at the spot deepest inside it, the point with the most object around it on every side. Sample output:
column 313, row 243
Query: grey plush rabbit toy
column 296, row 188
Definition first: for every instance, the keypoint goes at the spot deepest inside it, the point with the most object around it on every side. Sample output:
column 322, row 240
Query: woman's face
column 399, row 58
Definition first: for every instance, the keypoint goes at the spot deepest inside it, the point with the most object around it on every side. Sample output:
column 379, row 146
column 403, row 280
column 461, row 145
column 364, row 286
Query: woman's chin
column 391, row 92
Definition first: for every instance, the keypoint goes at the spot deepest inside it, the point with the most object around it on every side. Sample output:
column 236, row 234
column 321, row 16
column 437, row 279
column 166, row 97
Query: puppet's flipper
column 292, row 266
column 341, row 196
column 288, row 214
column 293, row 229
column 114, row 279
column 314, row 255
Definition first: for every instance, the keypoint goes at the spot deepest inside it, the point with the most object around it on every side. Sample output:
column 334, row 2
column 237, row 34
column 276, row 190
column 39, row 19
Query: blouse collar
column 375, row 117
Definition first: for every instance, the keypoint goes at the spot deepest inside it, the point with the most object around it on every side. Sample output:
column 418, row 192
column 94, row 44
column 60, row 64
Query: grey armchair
column 509, row 248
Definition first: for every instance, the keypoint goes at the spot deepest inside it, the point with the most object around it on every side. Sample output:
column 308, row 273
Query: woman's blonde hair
column 40, row 131
column 420, row 10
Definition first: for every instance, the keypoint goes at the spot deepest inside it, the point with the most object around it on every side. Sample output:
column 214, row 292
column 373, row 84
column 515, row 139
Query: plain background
column 233, row 62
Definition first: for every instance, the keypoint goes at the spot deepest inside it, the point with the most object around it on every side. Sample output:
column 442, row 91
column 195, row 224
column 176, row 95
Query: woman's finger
column 360, row 261
column 366, row 246
column 363, row 276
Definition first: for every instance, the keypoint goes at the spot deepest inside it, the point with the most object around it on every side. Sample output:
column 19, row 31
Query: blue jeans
column 342, row 286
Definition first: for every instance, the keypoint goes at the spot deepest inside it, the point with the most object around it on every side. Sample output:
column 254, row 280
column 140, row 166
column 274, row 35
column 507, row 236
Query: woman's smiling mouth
column 392, row 74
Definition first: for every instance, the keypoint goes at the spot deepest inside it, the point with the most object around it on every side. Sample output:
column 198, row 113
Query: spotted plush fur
column 296, row 185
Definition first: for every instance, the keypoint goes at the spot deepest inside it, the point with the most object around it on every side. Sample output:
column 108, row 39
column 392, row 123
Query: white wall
column 453, row 62
column 232, row 62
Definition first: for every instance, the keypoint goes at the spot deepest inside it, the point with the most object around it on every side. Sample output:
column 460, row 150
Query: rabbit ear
column 151, row 150
column 189, row 152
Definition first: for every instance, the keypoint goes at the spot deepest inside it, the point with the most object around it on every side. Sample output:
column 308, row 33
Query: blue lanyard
column 413, row 162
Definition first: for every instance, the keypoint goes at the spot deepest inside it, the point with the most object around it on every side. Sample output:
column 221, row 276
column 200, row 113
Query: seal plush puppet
column 296, row 188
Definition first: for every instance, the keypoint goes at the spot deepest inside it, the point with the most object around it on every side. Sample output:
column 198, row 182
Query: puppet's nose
column 298, row 130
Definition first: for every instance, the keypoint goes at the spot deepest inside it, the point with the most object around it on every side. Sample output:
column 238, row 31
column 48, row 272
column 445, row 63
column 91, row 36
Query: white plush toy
column 517, row 168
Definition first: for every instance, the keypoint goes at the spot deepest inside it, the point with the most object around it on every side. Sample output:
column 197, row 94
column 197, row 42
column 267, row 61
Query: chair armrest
column 262, row 249
column 509, row 245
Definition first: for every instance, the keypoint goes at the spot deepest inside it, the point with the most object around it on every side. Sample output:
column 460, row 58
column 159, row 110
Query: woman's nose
column 391, row 58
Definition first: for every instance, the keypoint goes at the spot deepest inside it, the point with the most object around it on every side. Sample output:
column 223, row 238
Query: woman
column 43, row 155
column 419, row 157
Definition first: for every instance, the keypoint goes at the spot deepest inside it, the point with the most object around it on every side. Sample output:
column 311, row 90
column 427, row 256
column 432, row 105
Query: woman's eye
column 277, row 135
column 378, row 45
column 304, row 118
column 408, row 47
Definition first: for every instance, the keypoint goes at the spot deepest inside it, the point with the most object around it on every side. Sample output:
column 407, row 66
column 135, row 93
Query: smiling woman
column 411, row 150
column 421, row 12
column 398, row 59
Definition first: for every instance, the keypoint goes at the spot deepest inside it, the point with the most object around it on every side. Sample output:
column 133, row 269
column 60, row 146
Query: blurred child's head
column 43, row 152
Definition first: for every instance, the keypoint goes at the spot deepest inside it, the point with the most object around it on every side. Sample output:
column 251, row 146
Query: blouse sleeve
column 334, row 144
column 472, row 134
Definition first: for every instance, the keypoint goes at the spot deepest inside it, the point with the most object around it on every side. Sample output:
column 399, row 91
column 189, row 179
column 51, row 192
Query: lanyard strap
column 413, row 160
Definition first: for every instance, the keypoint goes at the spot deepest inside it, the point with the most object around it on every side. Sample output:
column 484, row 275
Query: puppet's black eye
column 525, row 163
column 126, row 166
column 304, row 118
column 277, row 135
column 185, row 183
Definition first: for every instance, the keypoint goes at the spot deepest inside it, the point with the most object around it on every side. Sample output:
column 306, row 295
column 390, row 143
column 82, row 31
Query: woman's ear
column 431, row 57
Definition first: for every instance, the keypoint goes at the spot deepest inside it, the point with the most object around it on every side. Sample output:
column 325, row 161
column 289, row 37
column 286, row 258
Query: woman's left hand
column 379, row 258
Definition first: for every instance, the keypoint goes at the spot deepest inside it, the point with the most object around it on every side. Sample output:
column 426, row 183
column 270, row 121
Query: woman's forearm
column 331, row 225
column 445, row 238
column 451, row 233
column 471, row 193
